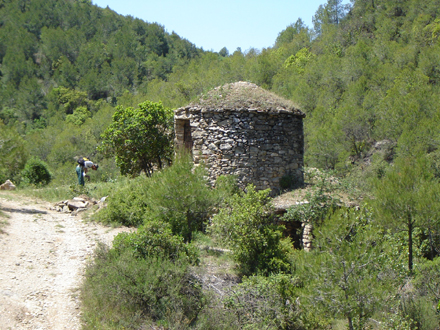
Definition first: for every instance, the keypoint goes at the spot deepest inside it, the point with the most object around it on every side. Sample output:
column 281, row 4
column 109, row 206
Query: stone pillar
column 307, row 236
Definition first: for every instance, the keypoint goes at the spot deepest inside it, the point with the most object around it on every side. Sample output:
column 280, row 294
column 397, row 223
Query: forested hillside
column 66, row 64
column 78, row 80
column 365, row 72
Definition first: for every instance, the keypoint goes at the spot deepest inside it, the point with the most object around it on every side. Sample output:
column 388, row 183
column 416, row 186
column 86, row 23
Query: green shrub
column 180, row 195
column 36, row 173
column 122, row 291
column 419, row 311
column 321, row 201
column 246, row 224
column 226, row 186
column 155, row 239
column 127, row 205
column 266, row 302
column 13, row 153
column 216, row 318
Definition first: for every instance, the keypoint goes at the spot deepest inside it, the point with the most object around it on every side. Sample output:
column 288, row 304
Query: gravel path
column 42, row 258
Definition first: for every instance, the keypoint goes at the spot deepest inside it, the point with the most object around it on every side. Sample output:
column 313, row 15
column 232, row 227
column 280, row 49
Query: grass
column 54, row 193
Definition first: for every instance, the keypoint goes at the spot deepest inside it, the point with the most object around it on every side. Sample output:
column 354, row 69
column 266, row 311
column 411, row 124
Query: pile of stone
column 78, row 204
column 8, row 185
column 307, row 238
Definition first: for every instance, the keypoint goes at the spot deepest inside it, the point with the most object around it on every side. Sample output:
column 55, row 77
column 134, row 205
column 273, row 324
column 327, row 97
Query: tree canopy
column 140, row 138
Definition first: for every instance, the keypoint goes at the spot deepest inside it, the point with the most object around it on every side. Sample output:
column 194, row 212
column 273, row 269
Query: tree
column 139, row 138
column 13, row 153
column 181, row 196
column 351, row 280
column 330, row 13
column 401, row 197
column 287, row 35
column 224, row 52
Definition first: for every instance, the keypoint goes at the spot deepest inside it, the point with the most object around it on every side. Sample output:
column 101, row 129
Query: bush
column 266, row 303
column 36, row 173
column 226, row 186
column 247, row 225
column 122, row 291
column 127, row 205
column 155, row 239
column 321, row 202
column 13, row 153
column 180, row 195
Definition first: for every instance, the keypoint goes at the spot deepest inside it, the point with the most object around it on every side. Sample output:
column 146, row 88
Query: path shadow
column 26, row 211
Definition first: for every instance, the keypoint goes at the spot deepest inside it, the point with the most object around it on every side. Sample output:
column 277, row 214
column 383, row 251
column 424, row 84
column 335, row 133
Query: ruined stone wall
column 258, row 147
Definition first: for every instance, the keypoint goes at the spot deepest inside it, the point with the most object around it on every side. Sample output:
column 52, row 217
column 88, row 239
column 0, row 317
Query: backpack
column 81, row 161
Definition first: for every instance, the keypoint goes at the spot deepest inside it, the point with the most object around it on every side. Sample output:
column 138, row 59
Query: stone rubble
column 8, row 185
column 78, row 204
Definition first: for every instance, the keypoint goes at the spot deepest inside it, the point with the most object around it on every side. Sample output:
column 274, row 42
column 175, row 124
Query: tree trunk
column 431, row 244
column 410, row 244
column 350, row 323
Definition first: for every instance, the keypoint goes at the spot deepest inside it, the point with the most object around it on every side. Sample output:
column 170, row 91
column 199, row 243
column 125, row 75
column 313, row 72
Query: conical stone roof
column 242, row 96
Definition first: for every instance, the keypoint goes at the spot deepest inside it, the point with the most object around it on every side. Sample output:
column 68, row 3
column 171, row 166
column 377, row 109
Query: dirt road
column 42, row 258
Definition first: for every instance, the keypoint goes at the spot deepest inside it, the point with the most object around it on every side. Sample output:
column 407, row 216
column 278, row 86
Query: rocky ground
column 43, row 254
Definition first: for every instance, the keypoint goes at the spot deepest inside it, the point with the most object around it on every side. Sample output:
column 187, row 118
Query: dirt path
column 42, row 258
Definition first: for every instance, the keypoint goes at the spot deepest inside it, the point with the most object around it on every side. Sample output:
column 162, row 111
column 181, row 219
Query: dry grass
column 313, row 178
column 245, row 95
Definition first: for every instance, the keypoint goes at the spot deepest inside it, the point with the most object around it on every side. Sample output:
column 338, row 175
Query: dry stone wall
column 257, row 146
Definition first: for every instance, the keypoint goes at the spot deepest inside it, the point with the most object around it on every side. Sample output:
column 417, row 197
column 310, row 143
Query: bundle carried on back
column 81, row 161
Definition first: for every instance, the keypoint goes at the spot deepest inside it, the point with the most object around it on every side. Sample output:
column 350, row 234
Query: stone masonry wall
column 258, row 147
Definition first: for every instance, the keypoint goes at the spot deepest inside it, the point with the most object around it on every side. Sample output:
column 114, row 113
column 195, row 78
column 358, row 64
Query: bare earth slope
column 42, row 258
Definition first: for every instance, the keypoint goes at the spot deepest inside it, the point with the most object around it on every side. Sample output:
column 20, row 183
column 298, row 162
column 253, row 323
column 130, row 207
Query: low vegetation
column 73, row 77
column 355, row 276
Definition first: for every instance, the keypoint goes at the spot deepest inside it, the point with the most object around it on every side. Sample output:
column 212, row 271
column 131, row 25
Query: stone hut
column 244, row 130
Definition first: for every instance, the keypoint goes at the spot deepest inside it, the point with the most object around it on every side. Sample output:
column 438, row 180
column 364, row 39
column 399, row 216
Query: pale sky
column 212, row 25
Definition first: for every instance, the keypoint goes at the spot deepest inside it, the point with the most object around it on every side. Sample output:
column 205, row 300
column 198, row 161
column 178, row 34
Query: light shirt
column 88, row 164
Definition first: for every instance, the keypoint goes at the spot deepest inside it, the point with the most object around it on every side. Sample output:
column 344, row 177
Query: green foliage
column 225, row 187
column 126, row 205
column 79, row 116
column 121, row 291
column 246, row 224
column 299, row 60
column 36, row 173
column 155, row 239
column 13, row 153
column 140, row 138
column 180, row 195
column 69, row 99
column 352, row 279
column 261, row 302
column 321, row 200
column 405, row 198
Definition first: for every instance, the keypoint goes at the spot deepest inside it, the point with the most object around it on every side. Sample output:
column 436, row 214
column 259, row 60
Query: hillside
column 370, row 75
column 75, row 78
